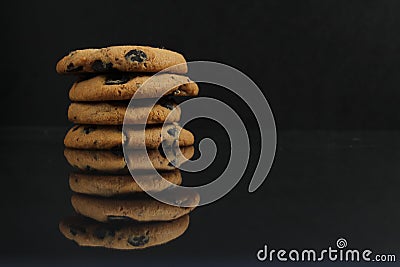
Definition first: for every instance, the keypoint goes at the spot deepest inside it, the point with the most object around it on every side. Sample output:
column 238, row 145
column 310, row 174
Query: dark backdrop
column 321, row 64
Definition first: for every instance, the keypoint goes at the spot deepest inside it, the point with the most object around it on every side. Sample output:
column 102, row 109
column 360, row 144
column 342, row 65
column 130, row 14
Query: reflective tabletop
column 323, row 186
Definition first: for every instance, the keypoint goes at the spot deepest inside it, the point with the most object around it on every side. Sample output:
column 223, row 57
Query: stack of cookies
column 109, row 203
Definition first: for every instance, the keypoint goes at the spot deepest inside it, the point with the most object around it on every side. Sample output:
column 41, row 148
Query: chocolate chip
column 112, row 218
column 76, row 229
column 102, row 233
column 88, row 168
column 173, row 132
column 138, row 241
column 136, row 56
column 89, row 129
column 117, row 79
column 100, row 66
column 71, row 67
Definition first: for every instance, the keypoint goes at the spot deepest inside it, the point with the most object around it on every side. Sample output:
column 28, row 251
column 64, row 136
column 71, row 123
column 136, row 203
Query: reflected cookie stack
column 112, row 209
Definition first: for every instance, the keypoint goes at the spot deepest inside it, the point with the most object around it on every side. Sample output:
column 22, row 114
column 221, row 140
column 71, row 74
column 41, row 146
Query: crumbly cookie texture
column 124, row 236
column 111, row 137
column 123, row 86
column 114, row 113
column 115, row 185
column 113, row 161
column 144, row 210
column 127, row 58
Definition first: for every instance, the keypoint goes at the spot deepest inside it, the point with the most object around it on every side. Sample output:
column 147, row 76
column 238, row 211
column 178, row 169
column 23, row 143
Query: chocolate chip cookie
column 128, row 58
column 142, row 209
column 96, row 160
column 122, row 86
column 110, row 137
column 124, row 235
column 114, row 113
column 113, row 185
column 113, row 161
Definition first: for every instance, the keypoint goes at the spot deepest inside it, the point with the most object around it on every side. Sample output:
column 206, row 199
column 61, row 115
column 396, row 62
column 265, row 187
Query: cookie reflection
column 138, row 208
column 108, row 185
column 113, row 211
column 121, row 235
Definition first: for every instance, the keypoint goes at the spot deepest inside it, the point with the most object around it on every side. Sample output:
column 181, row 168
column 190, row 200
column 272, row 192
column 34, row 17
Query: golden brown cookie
column 128, row 58
column 96, row 160
column 111, row 137
column 122, row 86
column 113, row 185
column 113, row 161
column 143, row 209
column 114, row 113
column 125, row 235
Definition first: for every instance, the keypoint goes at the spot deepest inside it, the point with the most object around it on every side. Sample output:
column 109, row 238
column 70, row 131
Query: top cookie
column 123, row 86
column 121, row 58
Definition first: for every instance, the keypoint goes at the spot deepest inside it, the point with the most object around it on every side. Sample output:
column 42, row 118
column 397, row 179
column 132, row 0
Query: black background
column 321, row 64
column 329, row 70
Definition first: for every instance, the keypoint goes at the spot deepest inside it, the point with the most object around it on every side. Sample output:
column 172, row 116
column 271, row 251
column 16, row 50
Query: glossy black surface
column 323, row 185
